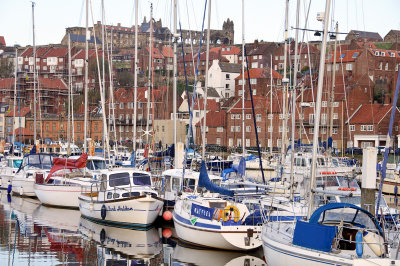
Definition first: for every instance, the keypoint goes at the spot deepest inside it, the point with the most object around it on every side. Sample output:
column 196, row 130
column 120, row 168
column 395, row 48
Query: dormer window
column 377, row 53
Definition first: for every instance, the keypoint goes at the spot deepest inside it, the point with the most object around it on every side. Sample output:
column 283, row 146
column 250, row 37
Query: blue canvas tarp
column 314, row 236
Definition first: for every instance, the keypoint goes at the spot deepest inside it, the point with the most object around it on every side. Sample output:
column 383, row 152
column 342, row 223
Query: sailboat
column 335, row 233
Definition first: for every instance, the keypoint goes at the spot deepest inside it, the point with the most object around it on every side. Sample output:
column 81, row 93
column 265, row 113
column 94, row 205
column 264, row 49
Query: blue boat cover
column 242, row 167
column 314, row 236
column 204, row 181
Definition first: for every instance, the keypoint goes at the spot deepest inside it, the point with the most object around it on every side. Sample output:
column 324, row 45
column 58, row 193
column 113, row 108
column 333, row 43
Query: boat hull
column 136, row 212
column 23, row 187
column 58, row 195
column 224, row 237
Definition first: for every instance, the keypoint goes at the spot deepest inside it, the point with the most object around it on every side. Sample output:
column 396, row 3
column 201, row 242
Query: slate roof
column 82, row 38
column 230, row 68
column 366, row 35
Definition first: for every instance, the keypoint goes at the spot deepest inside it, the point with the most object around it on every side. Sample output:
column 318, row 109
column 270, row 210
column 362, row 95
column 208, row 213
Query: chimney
column 119, row 24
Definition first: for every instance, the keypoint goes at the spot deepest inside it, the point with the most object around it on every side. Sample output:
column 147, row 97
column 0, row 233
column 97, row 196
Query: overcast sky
column 264, row 19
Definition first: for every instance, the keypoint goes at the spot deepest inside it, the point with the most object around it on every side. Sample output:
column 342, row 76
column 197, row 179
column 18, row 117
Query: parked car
column 354, row 150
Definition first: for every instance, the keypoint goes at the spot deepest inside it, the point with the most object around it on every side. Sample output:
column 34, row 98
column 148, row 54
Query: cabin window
column 175, row 184
column 189, row 184
column 109, row 195
column 217, row 204
column 140, row 179
column 167, row 183
column 116, row 195
column 119, row 179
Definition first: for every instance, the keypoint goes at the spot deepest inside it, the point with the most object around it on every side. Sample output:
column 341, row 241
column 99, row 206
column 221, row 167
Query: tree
column 125, row 78
column 6, row 68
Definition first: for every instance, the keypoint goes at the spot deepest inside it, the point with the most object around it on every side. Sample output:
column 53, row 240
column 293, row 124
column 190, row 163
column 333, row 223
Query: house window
column 363, row 128
column 232, row 116
column 121, row 129
column 237, row 128
column 324, row 104
column 334, row 130
column 349, row 67
column 335, row 104
column 247, row 142
column 230, row 142
column 335, row 116
column 270, row 129
column 240, row 81
column 387, row 66
column 352, row 128
column 380, row 66
column 258, row 117
column 254, row 57
column 232, row 128
column 311, row 130
column 227, row 76
column 329, row 68
column 311, row 119
column 218, row 141
column 220, row 129
column 254, row 92
column 240, row 92
column 323, row 130
column 270, row 116
column 248, row 128
column 370, row 128
column 280, row 116
column 248, row 116
column 253, row 81
column 258, row 129
column 278, row 82
column 121, row 105
column 227, row 86
column 254, row 65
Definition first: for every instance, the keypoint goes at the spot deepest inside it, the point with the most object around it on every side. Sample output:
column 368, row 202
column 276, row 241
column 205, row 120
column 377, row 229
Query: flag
column 194, row 220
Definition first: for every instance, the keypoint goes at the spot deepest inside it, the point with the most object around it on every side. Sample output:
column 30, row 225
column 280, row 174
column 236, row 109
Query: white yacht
column 123, row 197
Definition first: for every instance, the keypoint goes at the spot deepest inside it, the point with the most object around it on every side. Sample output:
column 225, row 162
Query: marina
column 156, row 145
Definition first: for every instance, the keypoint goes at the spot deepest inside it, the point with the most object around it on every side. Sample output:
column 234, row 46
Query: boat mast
column 243, row 125
column 15, row 92
column 270, row 106
column 286, row 83
column 318, row 107
column 296, row 66
column 34, row 74
column 86, row 79
column 333, row 84
column 104, row 77
column 174, row 82
column 69, row 97
column 150, row 72
column 206, row 81
column 135, row 81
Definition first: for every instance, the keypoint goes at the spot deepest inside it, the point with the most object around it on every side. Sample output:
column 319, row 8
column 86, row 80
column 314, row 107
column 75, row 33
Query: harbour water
column 32, row 234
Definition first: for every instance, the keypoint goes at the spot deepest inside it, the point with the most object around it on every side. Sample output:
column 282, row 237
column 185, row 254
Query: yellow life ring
column 231, row 212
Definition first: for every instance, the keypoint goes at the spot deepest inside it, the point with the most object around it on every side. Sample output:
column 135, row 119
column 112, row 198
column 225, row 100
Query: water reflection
column 120, row 246
column 184, row 255
column 32, row 234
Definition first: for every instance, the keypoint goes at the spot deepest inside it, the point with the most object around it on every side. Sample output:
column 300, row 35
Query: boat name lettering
column 202, row 212
column 119, row 208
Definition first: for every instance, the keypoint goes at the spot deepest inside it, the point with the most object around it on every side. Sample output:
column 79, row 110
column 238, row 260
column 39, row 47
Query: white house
column 221, row 77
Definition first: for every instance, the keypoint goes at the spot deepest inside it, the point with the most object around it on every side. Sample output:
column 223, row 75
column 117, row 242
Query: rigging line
column 345, row 93
column 194, row 15
column 190, row 37
column 362, row 10
column 254, row 117
column 81, row 14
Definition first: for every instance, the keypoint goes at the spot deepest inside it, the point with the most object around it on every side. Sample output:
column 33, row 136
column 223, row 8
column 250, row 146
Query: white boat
column 172, row 184
column 336, row 234
column 210, row 221
column 64, row 184
column 122, row 197
column 215, row 223
column 12, row 164
column 22, row 182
